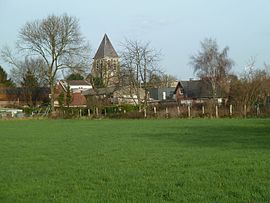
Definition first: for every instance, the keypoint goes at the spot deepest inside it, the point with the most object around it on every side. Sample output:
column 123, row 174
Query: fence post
column 178, row 110
column 144, row 110
column 167, row 112
column 203, row 112
column 216, row 111
column 97, row 111
column 155, row 110
column 245, row 110
column 80, row 113
column 89, row 113
column 188, row 111
column 105, row 112
column 231, row 110
column 258, row 110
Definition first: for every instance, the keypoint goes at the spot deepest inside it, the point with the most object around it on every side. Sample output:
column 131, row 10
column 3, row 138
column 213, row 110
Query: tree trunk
column 139, row 96
column 145, row 88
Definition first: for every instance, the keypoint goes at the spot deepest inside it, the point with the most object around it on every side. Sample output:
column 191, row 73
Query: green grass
column 135, row 160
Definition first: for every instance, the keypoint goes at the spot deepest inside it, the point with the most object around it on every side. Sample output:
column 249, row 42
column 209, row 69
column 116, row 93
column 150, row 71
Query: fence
column 166, row 110
column 171, row 111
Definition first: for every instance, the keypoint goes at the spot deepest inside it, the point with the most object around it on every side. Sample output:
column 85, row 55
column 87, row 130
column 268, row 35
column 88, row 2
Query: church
column 105, row 76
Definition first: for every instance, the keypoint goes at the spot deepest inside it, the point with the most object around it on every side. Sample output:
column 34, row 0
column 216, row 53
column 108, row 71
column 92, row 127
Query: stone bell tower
column 106, row 64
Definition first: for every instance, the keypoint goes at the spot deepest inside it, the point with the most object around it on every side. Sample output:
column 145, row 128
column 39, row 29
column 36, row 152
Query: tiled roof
column 197, row 89
column 100, row 91
column 105, row 49
column 77, row 82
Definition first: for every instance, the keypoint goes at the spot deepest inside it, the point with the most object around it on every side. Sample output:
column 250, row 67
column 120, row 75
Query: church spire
column 105, row 49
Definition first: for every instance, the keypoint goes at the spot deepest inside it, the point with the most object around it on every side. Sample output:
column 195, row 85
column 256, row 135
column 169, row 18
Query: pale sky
column 175, row 27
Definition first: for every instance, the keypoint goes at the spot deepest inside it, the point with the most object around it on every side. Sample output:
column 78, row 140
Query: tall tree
column 211, row 64
column 140, row 64
column 59, row 42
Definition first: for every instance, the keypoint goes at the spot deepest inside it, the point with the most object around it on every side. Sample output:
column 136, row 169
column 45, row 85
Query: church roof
column 105, row 49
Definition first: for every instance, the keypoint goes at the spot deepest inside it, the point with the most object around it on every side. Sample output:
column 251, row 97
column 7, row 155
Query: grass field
column 135, row 160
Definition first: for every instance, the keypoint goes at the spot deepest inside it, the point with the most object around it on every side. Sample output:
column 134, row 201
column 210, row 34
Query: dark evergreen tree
column 4, row 81
column 75, row 76
column 69, row 96
column 30, row 88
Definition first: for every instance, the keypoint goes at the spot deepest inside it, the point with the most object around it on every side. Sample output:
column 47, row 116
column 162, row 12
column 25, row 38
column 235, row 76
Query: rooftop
column 105, row 49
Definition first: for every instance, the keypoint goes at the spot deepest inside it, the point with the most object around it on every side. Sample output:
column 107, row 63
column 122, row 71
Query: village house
column 76, row 88
column 195, row 91
column 113, row 95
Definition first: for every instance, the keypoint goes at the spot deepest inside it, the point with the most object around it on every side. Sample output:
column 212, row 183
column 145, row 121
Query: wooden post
column 105, row 112
column 245, row 110
column 167, row 112
column 231, row 110
column 155, row 110
column 258, row 110
column 216, row 111
column 178, row 110
column 144, row 110
column 188, row 111
column 80, row 114
column 97, row 111
column 203, row 111
column 89, row 113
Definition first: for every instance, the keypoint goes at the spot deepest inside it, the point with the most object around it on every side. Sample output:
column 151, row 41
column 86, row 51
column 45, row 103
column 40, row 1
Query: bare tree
column 58, row 41
column 162, row 80
column 211, row 64
column 34, row 65
column 139, row 63
column 252, row 88
column 106, row 73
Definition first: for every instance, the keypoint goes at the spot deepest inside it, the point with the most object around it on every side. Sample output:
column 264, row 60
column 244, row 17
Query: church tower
column 106, row 64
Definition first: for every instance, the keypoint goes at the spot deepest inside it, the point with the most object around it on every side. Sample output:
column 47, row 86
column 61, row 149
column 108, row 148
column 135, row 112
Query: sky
column 175, row 27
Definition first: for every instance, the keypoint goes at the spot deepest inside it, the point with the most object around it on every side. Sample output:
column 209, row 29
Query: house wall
column 16, row 96
column 77, row 98
column 160, row 93
column 124, row 95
